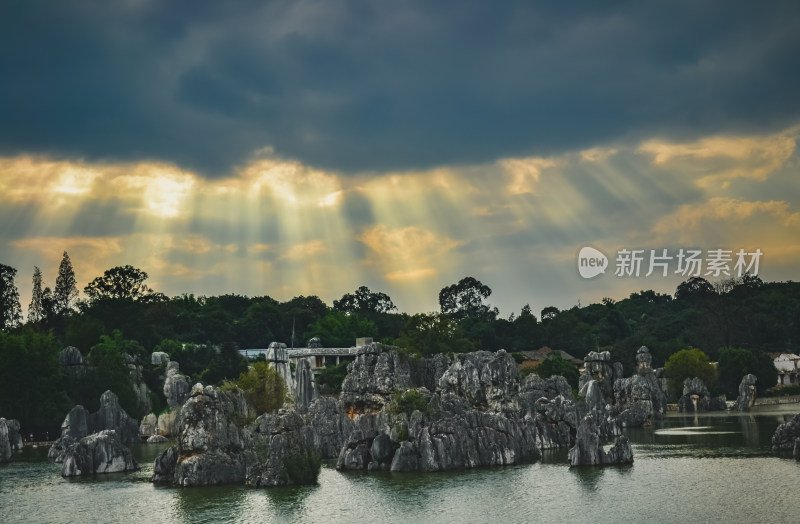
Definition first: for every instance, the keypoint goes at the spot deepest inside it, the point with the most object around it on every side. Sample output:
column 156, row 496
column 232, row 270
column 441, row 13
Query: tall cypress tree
column 66, row 287
column 36, row 308
column 10, row 310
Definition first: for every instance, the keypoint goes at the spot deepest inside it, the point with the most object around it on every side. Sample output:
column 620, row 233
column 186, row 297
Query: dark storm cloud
column 383, row 86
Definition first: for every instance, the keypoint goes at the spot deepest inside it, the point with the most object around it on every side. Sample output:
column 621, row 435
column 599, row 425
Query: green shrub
column 408, row 402
column 302, row 468
column 263, row 387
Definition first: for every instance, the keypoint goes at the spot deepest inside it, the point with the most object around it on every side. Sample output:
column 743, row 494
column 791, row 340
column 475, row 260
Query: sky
column 300, row 147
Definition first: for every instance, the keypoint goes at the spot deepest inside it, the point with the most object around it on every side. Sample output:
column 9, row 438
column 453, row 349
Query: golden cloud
column 722, row 158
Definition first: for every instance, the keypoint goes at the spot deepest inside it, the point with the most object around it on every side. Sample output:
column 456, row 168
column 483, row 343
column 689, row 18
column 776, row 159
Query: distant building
column 541, row 354
column 788, row 370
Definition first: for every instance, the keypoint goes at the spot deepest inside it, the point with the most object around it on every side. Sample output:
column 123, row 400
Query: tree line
column 120, row 317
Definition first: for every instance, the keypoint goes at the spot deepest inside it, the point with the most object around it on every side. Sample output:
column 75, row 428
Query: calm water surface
column 711, row 468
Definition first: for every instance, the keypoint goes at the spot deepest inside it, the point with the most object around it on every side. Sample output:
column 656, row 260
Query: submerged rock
column 747, row 393
column 786, row 434
column 157, row 439
column 98, row 453
column 588, row 450
column 696, row 398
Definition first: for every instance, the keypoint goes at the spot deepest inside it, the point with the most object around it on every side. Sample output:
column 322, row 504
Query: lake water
column 709, row 468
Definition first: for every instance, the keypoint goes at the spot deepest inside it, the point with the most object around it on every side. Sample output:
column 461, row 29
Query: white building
column 788, row 368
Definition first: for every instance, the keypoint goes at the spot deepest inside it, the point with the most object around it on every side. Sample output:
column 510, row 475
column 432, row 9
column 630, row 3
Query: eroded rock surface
column 747, row 393
column 786, row 434
column 588, row 449
column 101, row 452
column 79, row 423
column 696, row 398
column 5, row 445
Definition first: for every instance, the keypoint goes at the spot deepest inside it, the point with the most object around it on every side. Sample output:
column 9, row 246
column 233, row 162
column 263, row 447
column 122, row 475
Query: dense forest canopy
column 121, row 317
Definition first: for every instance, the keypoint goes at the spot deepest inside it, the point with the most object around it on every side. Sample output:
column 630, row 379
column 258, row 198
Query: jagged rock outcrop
column 533, row 387
column 176, row 391
column 71, row 359
column 158, row 357
column 786, row 434
column 639, row 400
column 149, row 426
column 598, row 367
column 157, row 439
column 696, row 398
column 5, row 444
column 216, row 444
column 211, row 441
column 747, row 393
column 305, row 388
column 331, row 425
column 556, row 422
column 588, row 450
column 454, row 436
column 284, row 451
column 100, row 452
column 485, row 380
column 79, row 423
column 176, row 386
column 372, row 378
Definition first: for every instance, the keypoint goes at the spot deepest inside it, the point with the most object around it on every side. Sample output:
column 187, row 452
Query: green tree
column 466, row 299
column 263, row 388
column 66, row 291
column 689, row 363
column 735, row 363
column 36, row 312
column 694, row 288
column 340, row 330
column 331, row 377
column 108, row 370
column 10, row 310
column 32, row 383
column 555, row 365
column 120, row 282
column 427, row 334
column 364, row 301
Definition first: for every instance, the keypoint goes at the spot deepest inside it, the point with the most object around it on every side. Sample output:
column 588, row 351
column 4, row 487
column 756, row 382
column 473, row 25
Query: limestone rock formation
column 216, row 444
column 71, row 359
column 556, row 422
column 696, row 398
column 158, row 357
column 375, row 374
column 454, row 436
column 534, row 387
column 588, row 450
column 305, row 388
column 156, row 439
column 79, row 423
column 486, row 380
column 598, row 367
column 331, row 425
column 100, row 452
column 747, row 393
column 176, row 386
column 639, row 399
column 149, row 426
column 786, row 434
